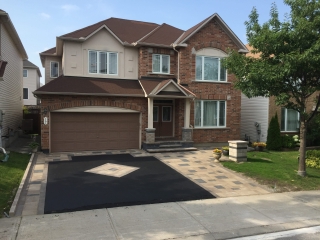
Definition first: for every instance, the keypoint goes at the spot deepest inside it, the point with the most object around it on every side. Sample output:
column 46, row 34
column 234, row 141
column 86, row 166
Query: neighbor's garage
column 93, row 131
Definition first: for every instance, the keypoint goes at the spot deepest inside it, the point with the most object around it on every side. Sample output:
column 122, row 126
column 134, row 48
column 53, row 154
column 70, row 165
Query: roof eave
column 86, row 94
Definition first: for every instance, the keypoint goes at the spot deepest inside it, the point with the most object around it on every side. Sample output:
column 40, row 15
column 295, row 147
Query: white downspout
column 174, row 48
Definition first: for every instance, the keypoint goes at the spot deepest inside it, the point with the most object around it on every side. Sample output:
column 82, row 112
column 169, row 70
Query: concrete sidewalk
column 220, row 218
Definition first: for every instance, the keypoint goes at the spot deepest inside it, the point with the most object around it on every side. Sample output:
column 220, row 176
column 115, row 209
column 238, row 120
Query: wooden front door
column 163, row 120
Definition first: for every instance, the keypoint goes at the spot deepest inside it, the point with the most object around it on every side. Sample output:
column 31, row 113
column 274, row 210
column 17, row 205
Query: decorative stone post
column 186, row 134
column 238, row 150
column 150, row 135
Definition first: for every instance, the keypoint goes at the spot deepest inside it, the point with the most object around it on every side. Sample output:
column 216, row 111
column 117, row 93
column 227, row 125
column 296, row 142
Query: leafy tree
column 288, row 66
column 274, row 136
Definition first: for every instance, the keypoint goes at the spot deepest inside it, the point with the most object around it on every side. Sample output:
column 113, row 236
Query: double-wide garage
column 78, row 131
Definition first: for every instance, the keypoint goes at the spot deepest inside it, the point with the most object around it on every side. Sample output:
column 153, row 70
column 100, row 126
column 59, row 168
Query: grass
column 277, row 170
column 11, row 173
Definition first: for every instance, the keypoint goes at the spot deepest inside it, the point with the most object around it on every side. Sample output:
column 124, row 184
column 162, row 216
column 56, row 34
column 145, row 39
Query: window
column 25, row 93
column 160, row 63
column 25, row 73
column 289, row 120
column 54, row 69
column 210, row 113
column 210, row 69
column 103, row 62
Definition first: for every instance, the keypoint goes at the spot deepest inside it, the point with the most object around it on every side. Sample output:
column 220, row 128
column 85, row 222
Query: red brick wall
column 211, row 36
column 60, row 102
column 145, row 61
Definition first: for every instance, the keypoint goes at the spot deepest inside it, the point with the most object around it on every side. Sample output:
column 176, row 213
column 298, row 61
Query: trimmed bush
column 288, row 141
column 313, row 154
column 313, row 162
column 274, row 137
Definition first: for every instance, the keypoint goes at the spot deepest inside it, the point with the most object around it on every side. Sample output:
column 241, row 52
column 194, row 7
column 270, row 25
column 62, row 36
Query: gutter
column 174, row 48
column 86, row 94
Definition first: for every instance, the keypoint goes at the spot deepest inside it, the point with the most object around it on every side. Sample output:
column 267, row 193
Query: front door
column 162, row 119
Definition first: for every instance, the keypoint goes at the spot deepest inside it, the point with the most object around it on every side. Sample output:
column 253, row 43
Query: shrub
column 259, row 144
column 313, row 162
column 313, row 154
column 226, row 148
column 313, row 131
column 288, row 141
column 274, row 136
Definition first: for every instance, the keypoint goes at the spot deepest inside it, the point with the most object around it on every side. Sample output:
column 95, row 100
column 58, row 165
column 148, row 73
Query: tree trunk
column 302, row 158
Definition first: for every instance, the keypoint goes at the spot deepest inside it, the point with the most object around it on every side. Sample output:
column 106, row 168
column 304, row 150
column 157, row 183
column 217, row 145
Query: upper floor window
column 103, row 62
column 289, row 120
column 210, row 113
column 25, row 73
column 54, row 69
column 25, row 93
column 210, row 69
column 160, row 63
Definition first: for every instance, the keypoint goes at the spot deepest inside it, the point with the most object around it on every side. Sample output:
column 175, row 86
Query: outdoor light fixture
column 45, row 111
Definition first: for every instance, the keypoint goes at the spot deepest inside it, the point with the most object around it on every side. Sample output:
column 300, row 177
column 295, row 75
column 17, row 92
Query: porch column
column 186, row 130
column 150, row 131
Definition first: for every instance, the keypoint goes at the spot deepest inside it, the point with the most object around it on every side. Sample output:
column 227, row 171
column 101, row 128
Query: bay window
column 210, row 69
column 289, row 120
column 160, row 63
column 210, row 113
column 103, row 62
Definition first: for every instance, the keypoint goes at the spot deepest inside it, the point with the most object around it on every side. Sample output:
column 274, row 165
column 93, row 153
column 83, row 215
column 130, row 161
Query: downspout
column 174, row 48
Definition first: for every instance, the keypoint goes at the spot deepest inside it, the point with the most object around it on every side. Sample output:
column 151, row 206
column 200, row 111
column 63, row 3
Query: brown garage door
column 94, row 131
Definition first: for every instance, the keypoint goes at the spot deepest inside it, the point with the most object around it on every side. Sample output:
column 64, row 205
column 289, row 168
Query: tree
column 289, row 64
column 274, row 136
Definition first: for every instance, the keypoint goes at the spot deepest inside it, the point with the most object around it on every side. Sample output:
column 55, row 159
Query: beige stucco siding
column 11, row 88
column 47, row 67
column 75, row 56
column 32, row 83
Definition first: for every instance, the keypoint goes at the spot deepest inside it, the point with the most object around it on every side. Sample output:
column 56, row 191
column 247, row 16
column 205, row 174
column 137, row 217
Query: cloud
column 69, row 7
column 45, row 15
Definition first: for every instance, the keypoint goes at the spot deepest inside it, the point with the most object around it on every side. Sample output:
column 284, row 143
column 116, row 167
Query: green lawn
column 277, row 170
column 11, row 173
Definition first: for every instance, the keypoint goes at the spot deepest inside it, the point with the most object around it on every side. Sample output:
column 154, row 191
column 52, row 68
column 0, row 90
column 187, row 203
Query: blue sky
column 39, row 22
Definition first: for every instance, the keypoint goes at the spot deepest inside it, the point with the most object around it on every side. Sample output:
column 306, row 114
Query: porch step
column 175, row 149
column 170, row 145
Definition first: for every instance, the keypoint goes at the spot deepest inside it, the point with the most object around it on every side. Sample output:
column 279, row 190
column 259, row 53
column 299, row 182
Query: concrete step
column 158, row 150
column 170, row 145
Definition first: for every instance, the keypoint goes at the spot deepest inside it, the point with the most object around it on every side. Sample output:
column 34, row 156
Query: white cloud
column 69, row 7
column 45, row 15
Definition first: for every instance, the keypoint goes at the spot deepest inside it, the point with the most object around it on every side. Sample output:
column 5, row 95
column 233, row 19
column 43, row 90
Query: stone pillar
column 187, row 134
column 238, row 150
column 150, row 135
column 187, row 113
column 150, row 113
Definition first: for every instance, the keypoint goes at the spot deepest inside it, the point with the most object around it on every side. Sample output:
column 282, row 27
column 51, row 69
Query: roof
column 65, row 85
column 6, row 21
column 50, row 51
column 28, row 64
column 250, row 54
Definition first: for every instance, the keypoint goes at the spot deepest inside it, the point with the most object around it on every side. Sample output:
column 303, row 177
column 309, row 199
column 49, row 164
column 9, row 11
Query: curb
column 21, row 187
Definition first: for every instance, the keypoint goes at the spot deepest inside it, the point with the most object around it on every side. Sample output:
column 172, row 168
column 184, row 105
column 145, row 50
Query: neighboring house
column 12, row 54
column 254, row 115
column 31, row 82
column 121, row 84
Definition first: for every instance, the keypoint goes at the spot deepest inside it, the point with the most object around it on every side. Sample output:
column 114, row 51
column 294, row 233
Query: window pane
column 155, row 114
column 92, row 62
column 25, row 93
column 292, row 120
column 113, row 59
column 166, row 114
column 25, row 73
column 103, row 63
column 198, row 68
column 223, row 73
column 165, row 64
column 283, row 119
column 210, row 113
column 54, row 69
column 197, row 114
column 155, row 63
column 222, row 120
column 211, row 68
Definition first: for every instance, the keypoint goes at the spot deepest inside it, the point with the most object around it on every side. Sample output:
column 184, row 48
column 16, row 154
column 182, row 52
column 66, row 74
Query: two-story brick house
column 122, row 84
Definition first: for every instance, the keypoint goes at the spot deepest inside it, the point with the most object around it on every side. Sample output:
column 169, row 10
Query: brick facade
column 56, row 102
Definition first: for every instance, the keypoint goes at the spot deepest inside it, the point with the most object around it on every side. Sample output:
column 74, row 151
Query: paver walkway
column 198, row 166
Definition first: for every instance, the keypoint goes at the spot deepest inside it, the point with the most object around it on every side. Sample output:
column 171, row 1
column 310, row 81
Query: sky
column 39, row 22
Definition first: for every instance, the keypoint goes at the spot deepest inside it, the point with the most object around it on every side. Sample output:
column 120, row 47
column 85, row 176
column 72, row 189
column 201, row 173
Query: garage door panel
column 94, row 131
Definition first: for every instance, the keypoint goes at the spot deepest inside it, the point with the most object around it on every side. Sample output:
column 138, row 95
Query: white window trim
column 285, row 122
column 98, row 61
column 51, row 71
column 27, row 94
column 168, row 73
column 202, row 70
column 218, row 111
column 27, row 73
